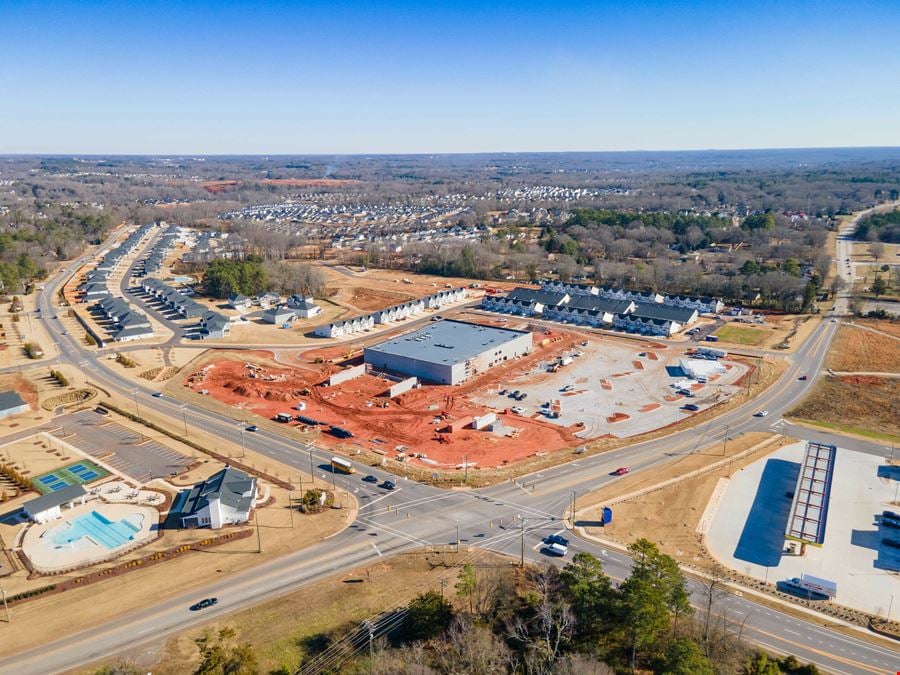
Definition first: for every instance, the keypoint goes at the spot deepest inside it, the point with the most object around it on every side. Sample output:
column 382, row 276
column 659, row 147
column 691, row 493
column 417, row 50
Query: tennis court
column 78, row 473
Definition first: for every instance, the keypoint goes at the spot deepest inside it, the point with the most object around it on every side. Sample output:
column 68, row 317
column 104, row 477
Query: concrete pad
column 605, row 384
column 747, row 531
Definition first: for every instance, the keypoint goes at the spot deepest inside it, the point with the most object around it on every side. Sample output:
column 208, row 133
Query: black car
column 690, row 406
column 156, row 394
column 370, row 479
column 253, row 427
column 556, row 539
column 389, row 485
column 203, row 604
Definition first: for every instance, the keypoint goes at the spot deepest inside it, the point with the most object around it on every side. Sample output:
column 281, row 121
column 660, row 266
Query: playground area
column 753, row 507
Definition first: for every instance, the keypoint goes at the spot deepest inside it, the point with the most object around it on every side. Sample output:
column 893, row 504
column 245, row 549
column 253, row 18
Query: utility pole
column 725, row 441
column 457, row 536
column 291, row 505
column 466, row 459
column 522, row 554
column 312, row 471
column 443, row 583
column 371, row 629
column 242, row 439
column 9, row 620
column 184, row 418
column 573, row 509
column 258, row 538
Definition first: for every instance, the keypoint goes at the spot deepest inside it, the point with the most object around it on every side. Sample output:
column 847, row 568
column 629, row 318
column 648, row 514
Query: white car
column 762, row 413
column 518, row 410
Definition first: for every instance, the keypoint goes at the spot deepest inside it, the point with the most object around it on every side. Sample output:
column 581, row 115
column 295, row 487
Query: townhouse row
column 625, row 314
column 390, row 314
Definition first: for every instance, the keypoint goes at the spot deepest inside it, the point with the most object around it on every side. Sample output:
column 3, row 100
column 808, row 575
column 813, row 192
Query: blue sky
column 382, row 77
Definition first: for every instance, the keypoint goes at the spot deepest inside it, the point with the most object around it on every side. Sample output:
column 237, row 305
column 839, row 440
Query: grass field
column 858, row 350
column 859, row 405
column 742, row 335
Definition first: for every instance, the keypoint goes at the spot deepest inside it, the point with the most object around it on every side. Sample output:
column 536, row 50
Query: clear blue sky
column 381, row 77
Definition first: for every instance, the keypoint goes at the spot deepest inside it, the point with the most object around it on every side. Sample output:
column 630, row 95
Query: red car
column 621, row 471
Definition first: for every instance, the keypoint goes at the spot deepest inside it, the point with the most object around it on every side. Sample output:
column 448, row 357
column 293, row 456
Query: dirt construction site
column 571, row 390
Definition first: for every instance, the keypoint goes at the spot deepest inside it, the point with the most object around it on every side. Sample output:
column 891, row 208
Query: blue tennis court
column 78, row 473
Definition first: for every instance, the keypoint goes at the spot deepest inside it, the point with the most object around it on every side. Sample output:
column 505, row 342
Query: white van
column 558, row 549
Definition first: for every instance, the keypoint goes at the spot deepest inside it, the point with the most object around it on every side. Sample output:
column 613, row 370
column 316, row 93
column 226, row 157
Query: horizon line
column 95, row 154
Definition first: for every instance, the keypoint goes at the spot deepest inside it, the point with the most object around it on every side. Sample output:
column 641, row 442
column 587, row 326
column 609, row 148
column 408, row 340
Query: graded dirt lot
column 856, row 349
column 281, row 632
column 610, row 388
column 670, row 516
column 409, row 424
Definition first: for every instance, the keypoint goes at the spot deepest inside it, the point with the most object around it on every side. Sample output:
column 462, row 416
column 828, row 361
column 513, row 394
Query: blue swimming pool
column 95, row 526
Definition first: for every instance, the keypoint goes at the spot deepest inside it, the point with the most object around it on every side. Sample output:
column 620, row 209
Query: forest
column 880, row 227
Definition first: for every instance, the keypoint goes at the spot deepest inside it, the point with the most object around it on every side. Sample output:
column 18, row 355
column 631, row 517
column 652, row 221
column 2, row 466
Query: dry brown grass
column 858, row 350
column 856, row 404
column 278, row 629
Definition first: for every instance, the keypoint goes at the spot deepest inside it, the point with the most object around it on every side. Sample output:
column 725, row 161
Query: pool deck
column 46, row 556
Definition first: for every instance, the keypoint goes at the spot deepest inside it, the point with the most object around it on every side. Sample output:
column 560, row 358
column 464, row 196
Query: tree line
column 573, row 621
column 252, row 275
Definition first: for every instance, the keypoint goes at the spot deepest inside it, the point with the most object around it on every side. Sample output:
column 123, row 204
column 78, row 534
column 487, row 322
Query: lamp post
column 242, row 439
column 184, row 418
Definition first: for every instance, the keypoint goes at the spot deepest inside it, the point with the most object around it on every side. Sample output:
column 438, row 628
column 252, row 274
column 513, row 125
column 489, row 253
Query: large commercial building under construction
column 448, row 352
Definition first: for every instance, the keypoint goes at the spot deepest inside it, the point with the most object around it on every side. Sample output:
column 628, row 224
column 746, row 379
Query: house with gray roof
column 225, row 498
column 11, row 404
column 278, row 315
column 49, row 507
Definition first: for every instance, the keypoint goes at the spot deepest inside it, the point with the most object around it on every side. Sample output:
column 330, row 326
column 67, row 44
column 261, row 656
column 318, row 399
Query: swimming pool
column 183, row 280
column 97, row 528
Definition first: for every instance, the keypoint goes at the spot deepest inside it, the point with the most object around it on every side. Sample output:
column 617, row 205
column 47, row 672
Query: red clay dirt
column 409, row 425
column 618, row 417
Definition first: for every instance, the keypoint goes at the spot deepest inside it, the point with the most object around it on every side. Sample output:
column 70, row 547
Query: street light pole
column 184, row 419
column 242, row 439
column 312, row 471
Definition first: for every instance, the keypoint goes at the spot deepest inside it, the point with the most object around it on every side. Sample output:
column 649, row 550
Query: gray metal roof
column 593, row 302
column 655, row 310
column 10, row 399
column 447, row 342
column 544, row 297
column 230, row 486
column 58, row 498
